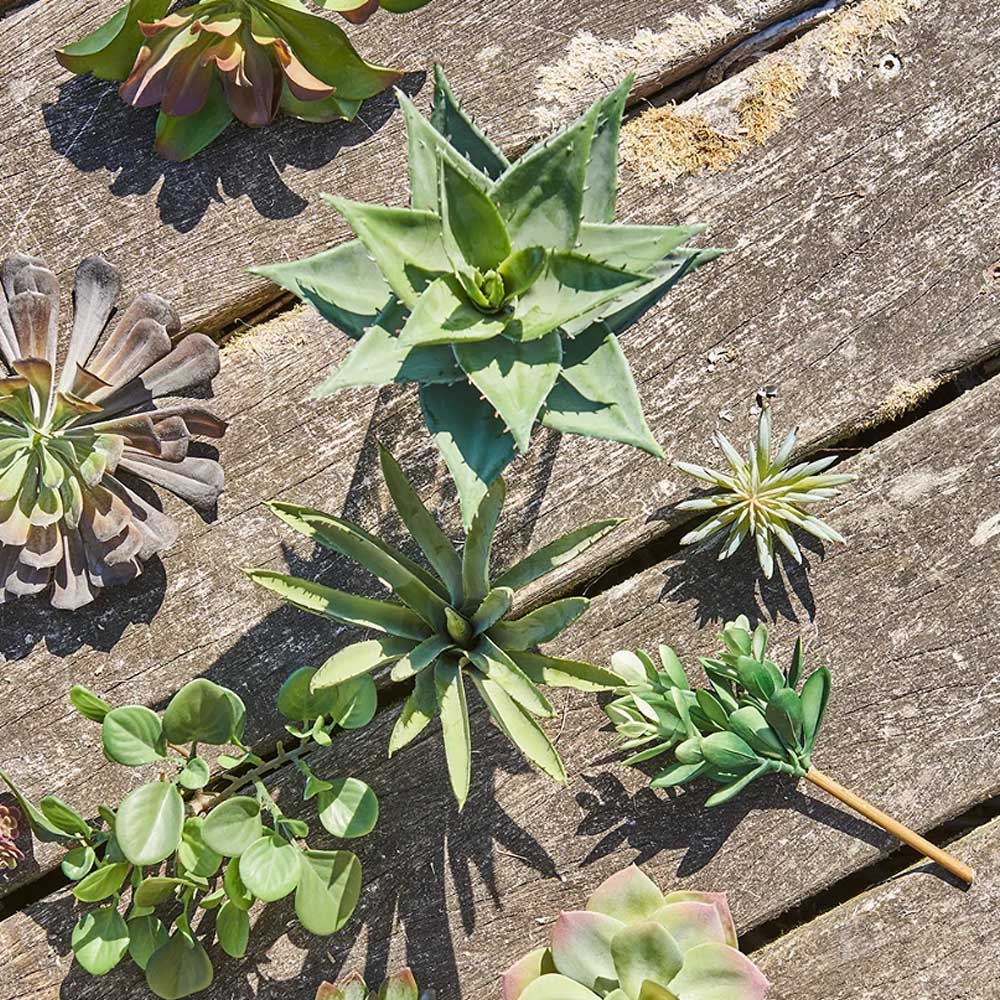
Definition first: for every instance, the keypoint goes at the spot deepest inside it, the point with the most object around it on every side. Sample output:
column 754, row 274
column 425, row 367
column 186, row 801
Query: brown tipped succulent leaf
column 75, row 437
column 210, row 62
column 507, row 285
column 450, row 623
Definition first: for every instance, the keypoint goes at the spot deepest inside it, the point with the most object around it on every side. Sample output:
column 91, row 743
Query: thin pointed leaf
column 494, row 663
column 360, row 658
column 418, row 710
column 461, row 131
column 479, row 542
column 495, row 605
column 556, row 672
column 539, row 626
column 471, row 223
column 455, row 725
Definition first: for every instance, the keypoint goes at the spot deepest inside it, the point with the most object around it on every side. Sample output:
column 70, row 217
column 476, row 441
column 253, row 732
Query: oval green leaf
column 232, row 826
column 348, row 808
column 133, row 736
column 146, row 935
column 78, row 862
column 269, row 867
column 194, row 855
column 328, row 890
column 149, row 823
column 233, row 928
column 179, row 968
column 99, row 940
column 194, row 774
column 200, row 712
column 101, row 883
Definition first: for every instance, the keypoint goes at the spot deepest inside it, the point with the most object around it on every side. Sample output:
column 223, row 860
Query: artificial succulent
column 450, row 624
column 76, row 439
column 10, row 829
column 216, row 60
column 633, row 942
column 761, row 497
column 400, row 985
column 500, row 290
column 185, row 844
column 754, row 719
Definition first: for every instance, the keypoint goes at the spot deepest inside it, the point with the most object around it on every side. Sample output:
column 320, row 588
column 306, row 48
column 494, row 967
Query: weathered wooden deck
column 864, row 282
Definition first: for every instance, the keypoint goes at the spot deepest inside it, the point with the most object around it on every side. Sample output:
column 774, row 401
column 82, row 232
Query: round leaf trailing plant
column 451, row 624
column 501, row 290
column 632, row 942
column 74, row 440
column 761, row 498
column 216, row 60
column 754, row 719
column 400, row 985
column 175, row 848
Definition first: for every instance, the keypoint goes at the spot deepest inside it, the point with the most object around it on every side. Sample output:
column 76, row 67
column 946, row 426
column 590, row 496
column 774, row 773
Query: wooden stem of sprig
column 947, row 861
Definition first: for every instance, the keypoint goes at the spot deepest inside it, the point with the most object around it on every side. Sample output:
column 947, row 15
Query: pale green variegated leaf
column 538, row 626
column 520, row 728
column 596, row 395
column 448, row 119
column 418, row 710
column 495, row 664
column 472, row 439
column 344, row 284
column 601, row 184
column 494, row 606
column 571, row 286
column 634, row 248
column 380, row 560
column 713, row 970
column 557, row 553
column 514, row 376
column 479, row 544
column 425, row 144
column 426, row 532
column 540, row 196
column 556, row 672
column 338, row 605
column 381, row 357
column 420, row 657
column 300, row 519
column 360, row 658
column 473, row 231
column 645, row 951
column 443, row 315
column 581, row 946
column 405, row 243
column 455, row 726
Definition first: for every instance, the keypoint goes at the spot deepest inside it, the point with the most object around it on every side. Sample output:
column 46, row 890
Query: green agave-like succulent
column 751, row 722
column 501, row 290
column 762, row 498
column 450, row 624
column 400, row 985
column 210, row 62
column 633, row 942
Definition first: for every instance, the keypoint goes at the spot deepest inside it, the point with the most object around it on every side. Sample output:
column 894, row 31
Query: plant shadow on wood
column 722, row 591
column 678, row 821
column 95, row 130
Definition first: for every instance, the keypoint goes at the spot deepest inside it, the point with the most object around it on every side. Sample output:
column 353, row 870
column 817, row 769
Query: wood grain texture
column 902, row 615
column 916, row 937
column 838, row 300
column 78, row 163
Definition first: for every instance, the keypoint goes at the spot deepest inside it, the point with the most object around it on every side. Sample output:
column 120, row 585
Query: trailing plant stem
column 947, row 861
column 254, row 775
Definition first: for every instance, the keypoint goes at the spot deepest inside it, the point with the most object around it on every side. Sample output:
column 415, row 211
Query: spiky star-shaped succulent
column 72, row 443
column 209, row 62
column 449, row 625
column 500, row 290
column 633, row 942
column 762, row 498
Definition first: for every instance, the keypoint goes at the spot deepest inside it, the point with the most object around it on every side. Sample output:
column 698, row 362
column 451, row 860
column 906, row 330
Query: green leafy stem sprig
column 753, row 719
column 186, row 843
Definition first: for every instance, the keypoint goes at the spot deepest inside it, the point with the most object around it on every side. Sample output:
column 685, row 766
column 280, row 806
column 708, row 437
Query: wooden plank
column 898, row 615
column 873, row 320
column 77, row 161
column 915, row 937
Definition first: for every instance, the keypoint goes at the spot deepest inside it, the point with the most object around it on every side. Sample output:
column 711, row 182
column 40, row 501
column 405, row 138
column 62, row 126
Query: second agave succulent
column 451, row 624
column 633, row 942
column 209, row 62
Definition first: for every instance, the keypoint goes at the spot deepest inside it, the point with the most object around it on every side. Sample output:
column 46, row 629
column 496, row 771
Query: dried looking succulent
column 74, row 445
column 399, row 986
column 762, row 498
column 753, row 720
column 500, row 290
column 10, row 828
column 632, row 942
column 209, row 62
column 179, row 847
column 450, row 624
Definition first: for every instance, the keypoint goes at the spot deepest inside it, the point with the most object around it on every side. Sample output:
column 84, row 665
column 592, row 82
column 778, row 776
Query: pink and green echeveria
column 213, row 61
column 633, row 942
